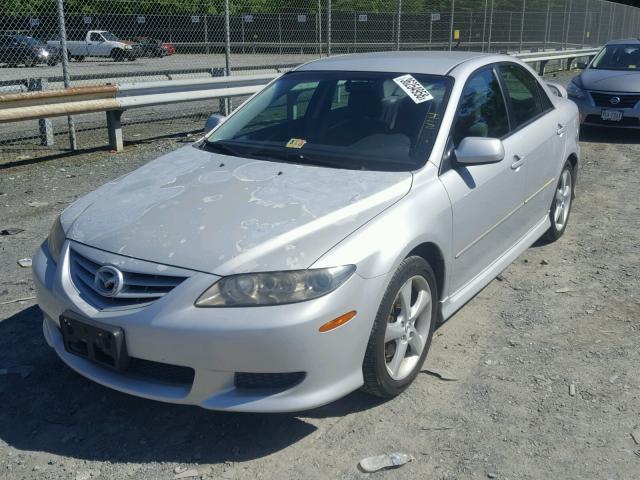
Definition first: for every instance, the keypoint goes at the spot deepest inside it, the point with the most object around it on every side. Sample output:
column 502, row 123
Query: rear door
column 485, row 199
column 539, row 135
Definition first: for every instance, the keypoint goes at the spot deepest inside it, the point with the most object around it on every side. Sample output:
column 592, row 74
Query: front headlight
column 56, row 239
column 575, row 91
column 128, row 47
column 274, row 288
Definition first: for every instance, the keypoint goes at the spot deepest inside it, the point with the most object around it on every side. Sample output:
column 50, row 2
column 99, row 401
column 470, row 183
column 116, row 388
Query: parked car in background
column 150, row 47
column 169, row 48
column 98, row 43
column 311, row 242
column 27, row 51
column 607, row 92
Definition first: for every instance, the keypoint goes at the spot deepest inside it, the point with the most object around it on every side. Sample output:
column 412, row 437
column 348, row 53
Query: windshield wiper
column 219, row 148
column 305, row 159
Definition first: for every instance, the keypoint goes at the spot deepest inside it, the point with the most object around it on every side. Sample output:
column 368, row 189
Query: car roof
column 628, row 41
column 435, row 63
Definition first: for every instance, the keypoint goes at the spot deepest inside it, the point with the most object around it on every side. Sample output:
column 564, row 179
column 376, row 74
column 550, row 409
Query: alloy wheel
column 408, row 327
column 563, row 200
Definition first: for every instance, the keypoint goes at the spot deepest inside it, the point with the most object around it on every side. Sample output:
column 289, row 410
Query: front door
column 486, row 199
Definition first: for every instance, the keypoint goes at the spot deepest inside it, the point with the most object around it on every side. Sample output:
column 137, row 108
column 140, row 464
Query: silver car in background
column 608, row 91
column 311, row 242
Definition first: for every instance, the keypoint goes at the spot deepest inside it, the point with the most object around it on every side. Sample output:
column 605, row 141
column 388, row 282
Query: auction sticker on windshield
column 296, row 143
column 413, row 88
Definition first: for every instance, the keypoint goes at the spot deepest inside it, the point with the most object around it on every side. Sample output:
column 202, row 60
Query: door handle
column 561, row 129
column 517, row 162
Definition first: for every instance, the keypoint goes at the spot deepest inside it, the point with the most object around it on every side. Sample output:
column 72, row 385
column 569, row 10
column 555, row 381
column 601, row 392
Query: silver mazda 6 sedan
column 608, row 91
column 310, row 243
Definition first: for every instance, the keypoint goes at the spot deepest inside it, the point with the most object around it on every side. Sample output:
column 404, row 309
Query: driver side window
column 95, row 37
column 482, row 111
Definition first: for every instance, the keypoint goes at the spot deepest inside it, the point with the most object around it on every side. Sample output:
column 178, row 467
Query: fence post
column 280, row 31
column 484, row 23
column 430, row 29
column 328, row 28
column 566, row 43
column 611, row 15
column 44, row 124
column 206, row 34
column 490, row 28
column 319, row 21
column 524, row 7
column 398, row 28
column 470, row 27
column 227, row 50
column 453, row 9
column 73, row 144
column 547, row 19
column 584, row 24
column 355, row 30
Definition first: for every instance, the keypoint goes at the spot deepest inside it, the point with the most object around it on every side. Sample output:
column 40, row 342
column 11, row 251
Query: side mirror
column 581, row 65
column 213, row 121
column 558, row 90
column 479, row 150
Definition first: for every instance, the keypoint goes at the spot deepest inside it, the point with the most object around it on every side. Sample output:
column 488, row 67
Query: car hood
column 610, row 80
column 223, row 215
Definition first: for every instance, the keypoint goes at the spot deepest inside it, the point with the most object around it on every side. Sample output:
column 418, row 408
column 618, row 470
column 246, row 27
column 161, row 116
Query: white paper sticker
column 413, row 88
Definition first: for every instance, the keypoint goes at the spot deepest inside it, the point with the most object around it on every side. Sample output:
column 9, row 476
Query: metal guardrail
column 115, row 99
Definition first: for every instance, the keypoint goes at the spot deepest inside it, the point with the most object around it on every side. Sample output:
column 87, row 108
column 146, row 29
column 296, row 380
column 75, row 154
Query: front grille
column 271, row 381
column 625, row 122
column 160, row 372
column 604, row 99
column 139, row 288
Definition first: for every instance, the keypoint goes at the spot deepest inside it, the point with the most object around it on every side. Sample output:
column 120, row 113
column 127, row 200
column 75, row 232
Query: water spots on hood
column 257, row 171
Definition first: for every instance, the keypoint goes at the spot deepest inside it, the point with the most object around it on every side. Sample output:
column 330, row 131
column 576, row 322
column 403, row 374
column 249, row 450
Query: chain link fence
column 120, row 41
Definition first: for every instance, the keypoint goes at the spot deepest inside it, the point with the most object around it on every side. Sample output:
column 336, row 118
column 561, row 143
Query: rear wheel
column 561, row 204
column 29, row 62
column 402, row 331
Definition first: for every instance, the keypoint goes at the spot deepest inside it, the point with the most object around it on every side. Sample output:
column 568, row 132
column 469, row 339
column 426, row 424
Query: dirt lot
column 562, row 314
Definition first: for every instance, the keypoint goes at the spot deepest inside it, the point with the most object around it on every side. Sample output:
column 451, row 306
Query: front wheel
column 561, row 204
column 402, row 331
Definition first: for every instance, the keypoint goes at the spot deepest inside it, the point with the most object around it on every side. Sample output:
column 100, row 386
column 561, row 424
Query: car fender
column 380, row 245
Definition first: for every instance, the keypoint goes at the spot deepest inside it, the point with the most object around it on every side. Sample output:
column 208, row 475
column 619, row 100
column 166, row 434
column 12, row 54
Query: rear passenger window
column 522, row 90
column 482, row 111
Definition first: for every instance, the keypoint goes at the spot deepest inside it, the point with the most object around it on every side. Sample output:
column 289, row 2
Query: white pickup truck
column 99, row 43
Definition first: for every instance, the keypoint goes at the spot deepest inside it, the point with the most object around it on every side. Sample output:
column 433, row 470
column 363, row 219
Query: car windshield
column 351, row 120
column 618, row 57
column 109, row 36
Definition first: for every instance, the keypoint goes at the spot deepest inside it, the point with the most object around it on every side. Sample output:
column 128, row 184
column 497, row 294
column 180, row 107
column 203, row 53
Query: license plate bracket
column 95, row 341
column 611, row 115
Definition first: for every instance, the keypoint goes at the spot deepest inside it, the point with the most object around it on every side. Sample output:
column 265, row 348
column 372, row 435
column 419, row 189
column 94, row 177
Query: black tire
column 556, row 230
column 377, row 380
column 29, row 62
column 117, row 54
column 52, row 63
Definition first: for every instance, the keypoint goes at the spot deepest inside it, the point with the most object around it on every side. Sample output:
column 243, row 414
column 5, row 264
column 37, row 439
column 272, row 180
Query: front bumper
column 219, row 342
column 590, row 114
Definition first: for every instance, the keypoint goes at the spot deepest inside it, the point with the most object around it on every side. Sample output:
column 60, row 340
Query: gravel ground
column 562, row 314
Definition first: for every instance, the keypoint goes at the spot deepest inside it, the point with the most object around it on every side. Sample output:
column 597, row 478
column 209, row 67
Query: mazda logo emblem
column 108, row 281
column 614, row 100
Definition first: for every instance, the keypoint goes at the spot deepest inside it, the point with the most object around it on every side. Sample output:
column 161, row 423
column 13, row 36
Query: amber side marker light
column 336, row 322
